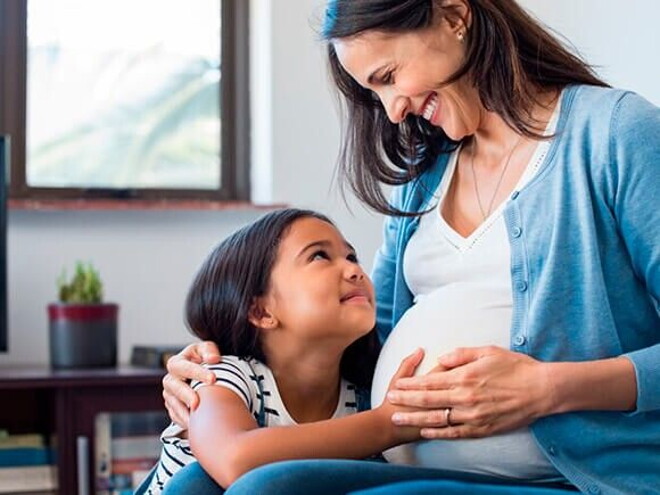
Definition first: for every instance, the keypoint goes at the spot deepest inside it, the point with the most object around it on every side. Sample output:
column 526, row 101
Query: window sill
column 135, row 204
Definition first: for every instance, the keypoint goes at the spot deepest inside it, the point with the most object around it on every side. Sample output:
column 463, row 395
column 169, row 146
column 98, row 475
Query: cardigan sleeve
column 635, row 149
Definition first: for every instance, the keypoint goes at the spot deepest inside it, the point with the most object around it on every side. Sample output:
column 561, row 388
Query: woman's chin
column 454, row 134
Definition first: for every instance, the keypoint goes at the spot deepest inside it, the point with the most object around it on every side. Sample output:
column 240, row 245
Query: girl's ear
column 260, row 317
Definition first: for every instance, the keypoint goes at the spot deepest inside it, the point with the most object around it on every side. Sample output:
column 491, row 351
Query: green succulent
column 84, row 288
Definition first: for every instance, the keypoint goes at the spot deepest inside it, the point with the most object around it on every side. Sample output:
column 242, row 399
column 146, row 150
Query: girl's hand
column 387, row 410
column 486, row 389
column 184, row 366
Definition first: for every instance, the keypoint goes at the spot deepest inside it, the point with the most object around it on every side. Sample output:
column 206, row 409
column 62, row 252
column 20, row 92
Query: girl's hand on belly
column 487, row 390
column 399, row 434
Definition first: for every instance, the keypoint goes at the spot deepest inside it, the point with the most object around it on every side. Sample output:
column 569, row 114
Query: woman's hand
column 401, row 434
column 481, row 391
column 180, row 399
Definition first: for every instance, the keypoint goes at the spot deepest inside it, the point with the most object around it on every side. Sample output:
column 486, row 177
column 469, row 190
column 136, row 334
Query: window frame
column 234, row 113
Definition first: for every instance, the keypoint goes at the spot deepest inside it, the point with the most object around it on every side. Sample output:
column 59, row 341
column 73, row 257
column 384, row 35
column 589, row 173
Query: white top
column 463, row 298
column 255, row 384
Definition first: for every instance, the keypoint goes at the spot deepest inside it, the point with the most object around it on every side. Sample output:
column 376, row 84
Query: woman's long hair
column 235, row 273
column 509, row 57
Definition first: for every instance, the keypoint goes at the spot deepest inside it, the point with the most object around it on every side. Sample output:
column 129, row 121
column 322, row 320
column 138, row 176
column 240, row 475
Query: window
column 126, row 98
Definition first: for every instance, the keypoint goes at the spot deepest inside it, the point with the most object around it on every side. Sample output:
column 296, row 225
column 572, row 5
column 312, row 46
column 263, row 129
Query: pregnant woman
column 521, row 251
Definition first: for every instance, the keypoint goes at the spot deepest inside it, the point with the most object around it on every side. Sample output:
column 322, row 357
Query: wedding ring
column 448, row 417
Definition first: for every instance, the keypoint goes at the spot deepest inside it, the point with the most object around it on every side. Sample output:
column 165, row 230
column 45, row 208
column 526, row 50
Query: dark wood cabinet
column 65, row 403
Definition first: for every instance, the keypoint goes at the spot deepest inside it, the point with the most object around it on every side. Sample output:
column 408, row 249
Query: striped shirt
column 254, row 383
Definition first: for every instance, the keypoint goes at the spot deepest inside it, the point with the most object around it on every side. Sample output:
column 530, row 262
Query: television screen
column 4, row 174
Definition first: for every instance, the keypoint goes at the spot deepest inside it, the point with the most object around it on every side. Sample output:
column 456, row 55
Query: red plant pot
column 83, row 335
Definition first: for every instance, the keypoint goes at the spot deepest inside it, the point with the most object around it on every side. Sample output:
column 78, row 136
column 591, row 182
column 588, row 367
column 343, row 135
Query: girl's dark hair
column 509, row 56
column 235, row 273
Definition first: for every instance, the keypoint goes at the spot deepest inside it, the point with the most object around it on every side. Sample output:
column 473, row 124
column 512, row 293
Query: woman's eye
column 352, row 258
column 388, row 77
column 319, row 255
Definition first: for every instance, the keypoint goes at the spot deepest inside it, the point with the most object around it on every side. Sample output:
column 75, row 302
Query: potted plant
column 83, row 329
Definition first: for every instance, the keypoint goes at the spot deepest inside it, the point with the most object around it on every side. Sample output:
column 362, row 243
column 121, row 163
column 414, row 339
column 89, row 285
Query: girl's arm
column 227, row 441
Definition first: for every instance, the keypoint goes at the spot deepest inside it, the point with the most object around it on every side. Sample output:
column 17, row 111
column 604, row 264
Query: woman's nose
column 396, row 107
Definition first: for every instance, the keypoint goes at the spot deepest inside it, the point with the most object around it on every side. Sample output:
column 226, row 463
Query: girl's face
column 406, row 72
column 317, row 288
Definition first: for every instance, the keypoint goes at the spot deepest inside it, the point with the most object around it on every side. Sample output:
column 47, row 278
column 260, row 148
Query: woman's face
column 406, row 71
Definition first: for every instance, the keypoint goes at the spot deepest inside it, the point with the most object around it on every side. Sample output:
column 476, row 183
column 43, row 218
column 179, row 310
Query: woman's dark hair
column 235, row 273
column 505, row 47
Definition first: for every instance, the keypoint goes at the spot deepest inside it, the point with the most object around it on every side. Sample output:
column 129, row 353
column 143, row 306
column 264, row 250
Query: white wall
column 148, row 258
column 621, row 39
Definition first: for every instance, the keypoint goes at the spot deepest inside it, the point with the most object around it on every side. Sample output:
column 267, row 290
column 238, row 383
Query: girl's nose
column 354, row 272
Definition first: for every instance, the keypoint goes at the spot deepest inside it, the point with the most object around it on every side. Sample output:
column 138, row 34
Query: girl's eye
column 319, row 255
column 352, row 258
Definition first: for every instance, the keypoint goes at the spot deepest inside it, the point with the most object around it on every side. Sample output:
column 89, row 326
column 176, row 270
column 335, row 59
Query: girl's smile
column 358, row 296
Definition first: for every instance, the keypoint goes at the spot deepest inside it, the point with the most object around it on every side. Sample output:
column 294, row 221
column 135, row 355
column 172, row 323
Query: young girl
column 288, row 303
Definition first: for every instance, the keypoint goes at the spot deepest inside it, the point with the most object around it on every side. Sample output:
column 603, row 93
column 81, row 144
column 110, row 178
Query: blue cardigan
column 585, row 275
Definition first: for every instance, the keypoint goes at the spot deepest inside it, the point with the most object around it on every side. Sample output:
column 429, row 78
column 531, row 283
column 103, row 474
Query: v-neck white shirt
column 463, row 298
column 438, row 257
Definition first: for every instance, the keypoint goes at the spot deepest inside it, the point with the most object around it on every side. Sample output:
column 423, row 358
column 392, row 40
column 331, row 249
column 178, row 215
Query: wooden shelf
column 66, row 402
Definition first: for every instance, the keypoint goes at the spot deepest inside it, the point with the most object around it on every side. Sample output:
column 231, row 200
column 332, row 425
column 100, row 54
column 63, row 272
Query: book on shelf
column 136, row 447
column 26, row 456
column 102, row 459
column 11, row 441
column 127, row 446
column 28, row 479
column 27, row 463
column 153, row 356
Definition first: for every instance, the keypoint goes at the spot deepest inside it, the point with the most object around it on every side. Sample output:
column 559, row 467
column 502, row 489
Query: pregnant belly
column 438, row 325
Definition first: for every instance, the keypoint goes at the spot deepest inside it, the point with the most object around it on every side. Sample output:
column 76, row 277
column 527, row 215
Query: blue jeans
column 192, row 479
column 334, row 477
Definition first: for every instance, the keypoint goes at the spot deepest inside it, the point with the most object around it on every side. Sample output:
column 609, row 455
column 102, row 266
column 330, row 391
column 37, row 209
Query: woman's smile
column 430, row 107
column 416, row 67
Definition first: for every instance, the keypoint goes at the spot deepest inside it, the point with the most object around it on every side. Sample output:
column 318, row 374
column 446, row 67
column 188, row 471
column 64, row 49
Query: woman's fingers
column 176, row 390
column 208, row 352
column 430, row 381
column 465, row 355
column 177, row 410
column 486, row 391
column 427, row 399
column 435, row 418
column 200, row 352
column 179, row 397
column 454, row 432
column 185, row 365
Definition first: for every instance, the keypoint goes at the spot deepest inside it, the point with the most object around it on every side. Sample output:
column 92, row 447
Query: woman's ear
column 260, row 316
column 458, row 15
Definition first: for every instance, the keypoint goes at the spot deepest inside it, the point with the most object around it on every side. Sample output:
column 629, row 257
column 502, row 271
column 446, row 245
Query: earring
column 461, row 36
